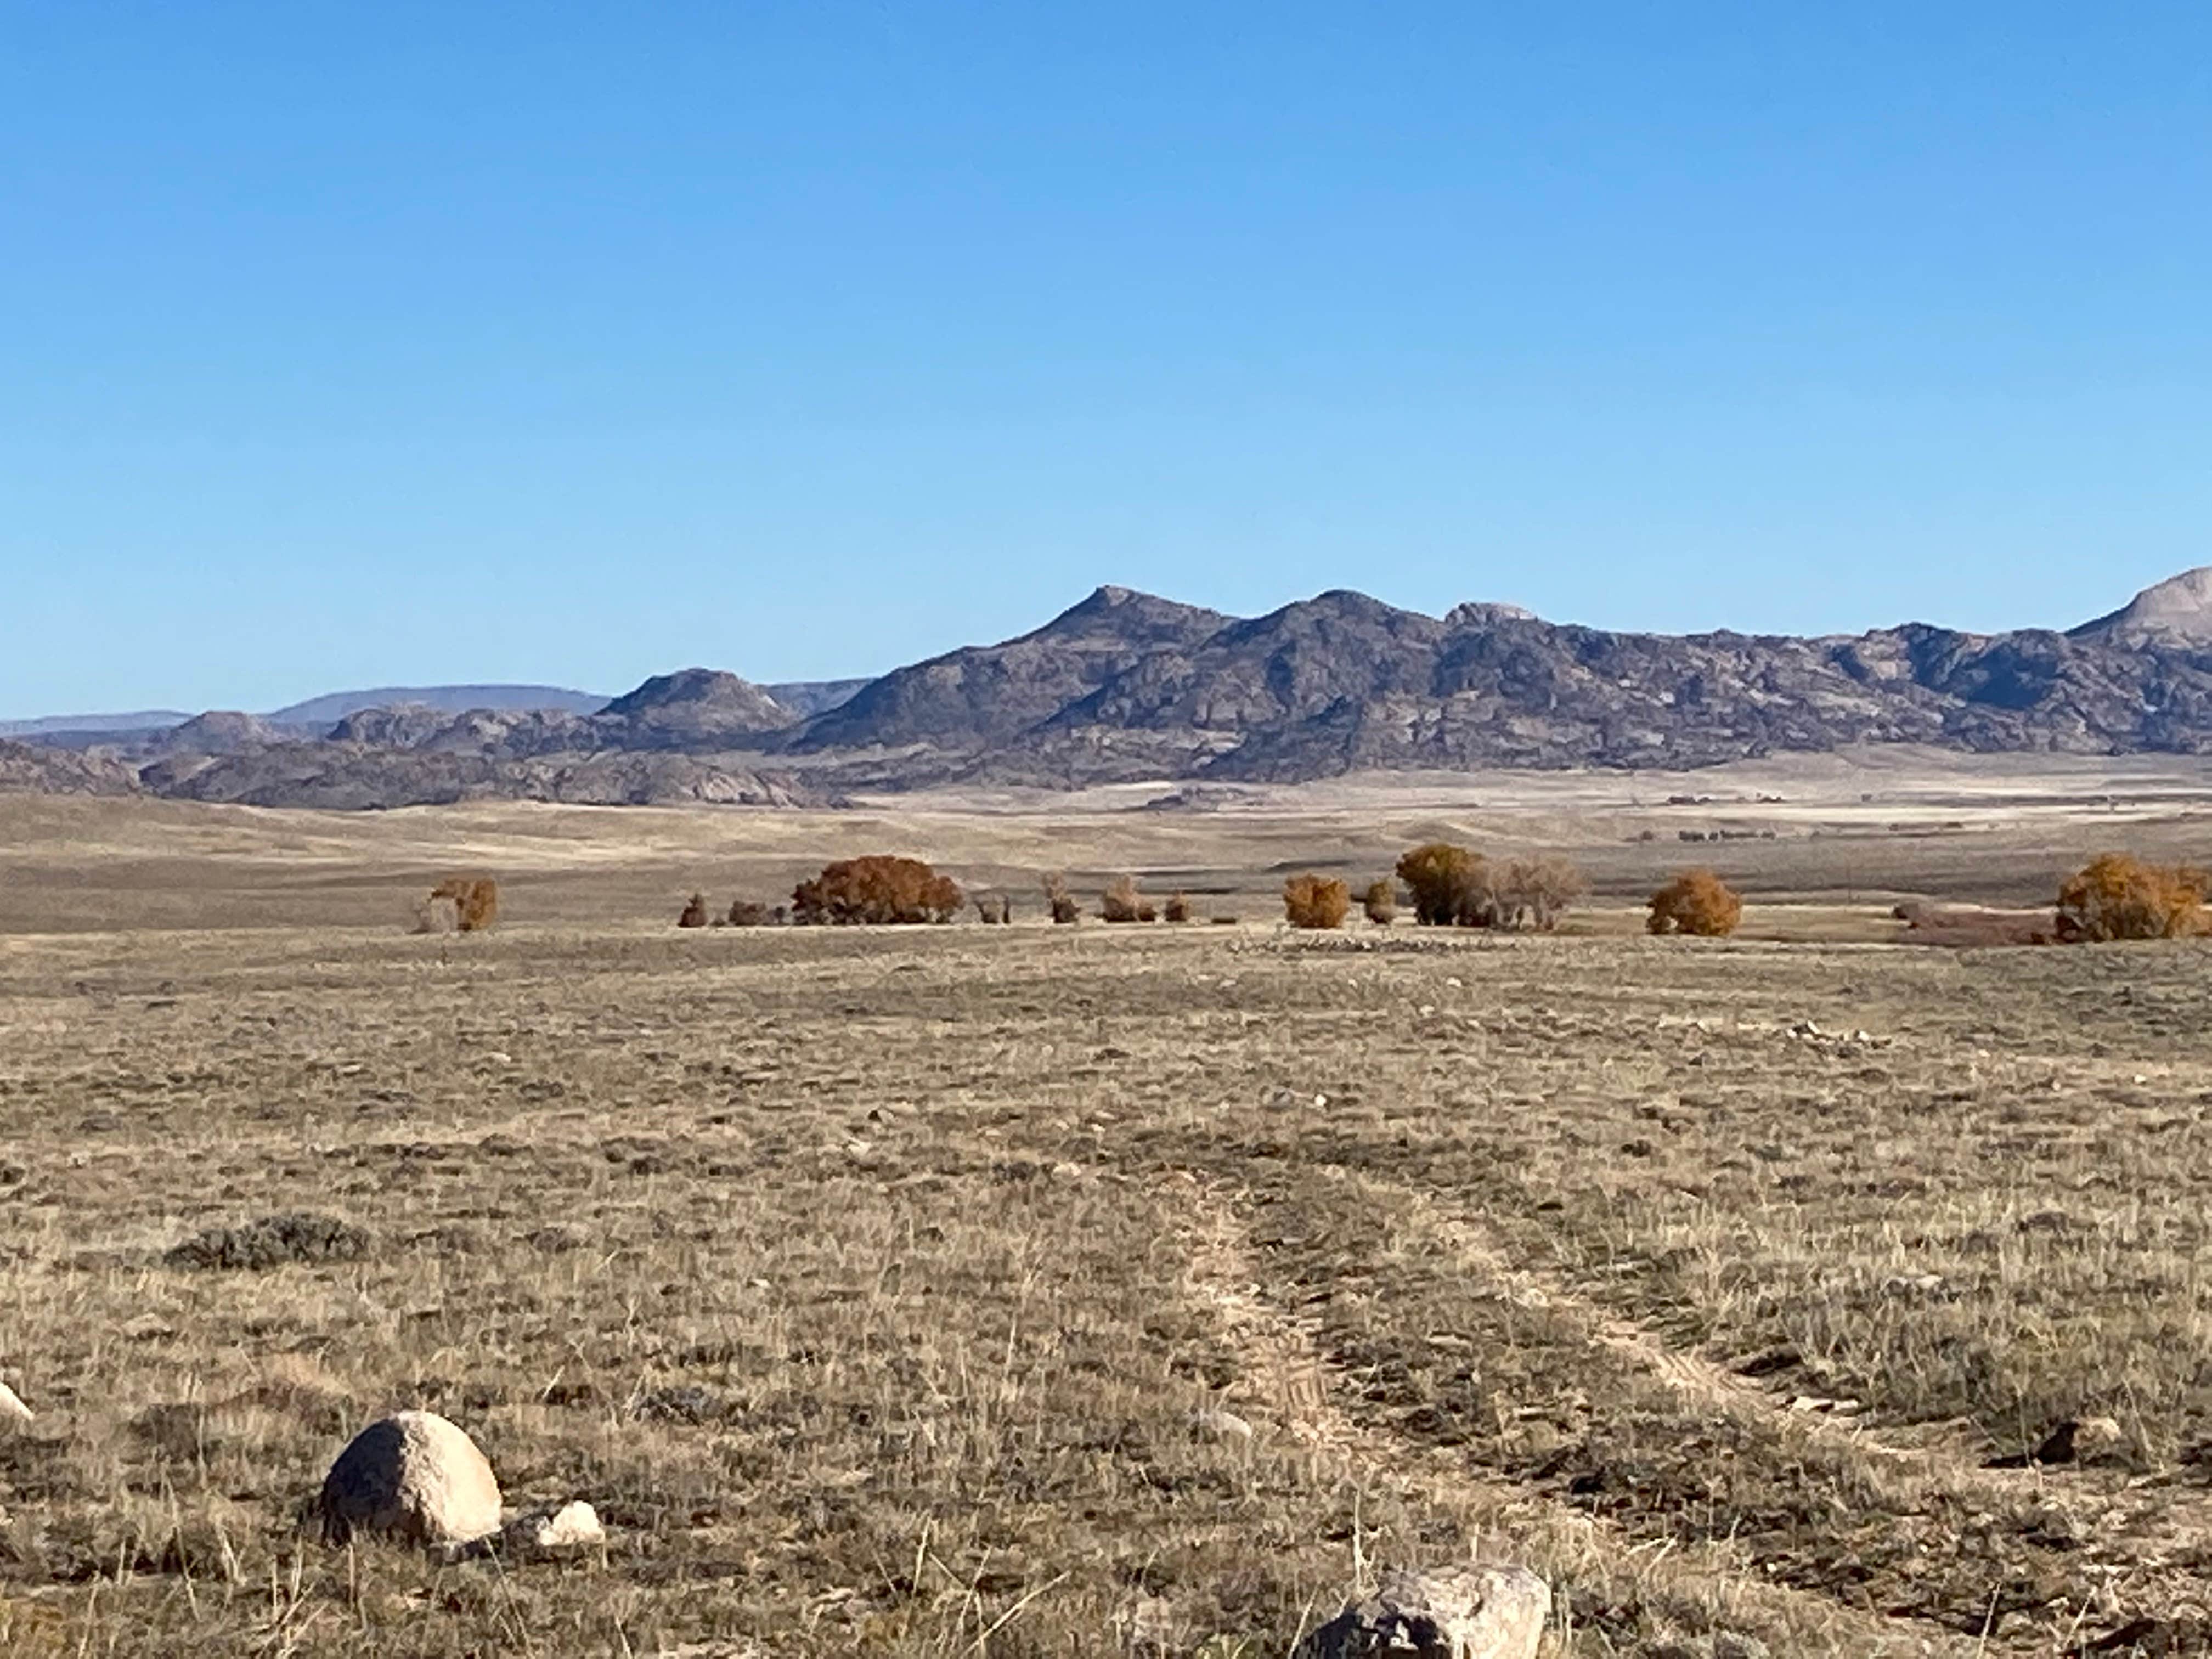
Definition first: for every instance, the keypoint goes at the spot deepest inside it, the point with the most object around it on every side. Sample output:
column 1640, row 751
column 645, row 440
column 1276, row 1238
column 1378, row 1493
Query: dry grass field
column 1014, row 1291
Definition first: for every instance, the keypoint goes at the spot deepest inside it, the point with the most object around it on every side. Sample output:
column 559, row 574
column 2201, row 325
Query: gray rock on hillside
column 1486, row 1610
column 413, row 1478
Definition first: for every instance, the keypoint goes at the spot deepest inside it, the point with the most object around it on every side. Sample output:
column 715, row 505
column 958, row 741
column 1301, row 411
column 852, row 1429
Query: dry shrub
column 1317, row 902
column 271, row 1242
column 694, row 913
column 2117, row 896
column 1536, row 892
column 1065, row 910
column 1696, row 902
column 994, row 909
column 744, row 913
column 1380, row 900
column 1121, row 901
column 475, row 900
column 878, row 889
column 1447, row 883
column 1177, row 908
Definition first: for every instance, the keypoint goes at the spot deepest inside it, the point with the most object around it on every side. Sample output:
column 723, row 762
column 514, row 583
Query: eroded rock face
column 413, row 1478
column 1489, row 1610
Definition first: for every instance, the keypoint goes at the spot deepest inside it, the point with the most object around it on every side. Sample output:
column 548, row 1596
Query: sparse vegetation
column 1121, row 901
column 695, row 912
column 475, row 900
column 1696, row 902
column 1535, row 892
column 879, row 890
column 994, row 909
column 744, row 913
column 2116, row 896
column 1806, row 1297
column 1061, row 901
column 271, row 1242
column 1380, row 900
column 1455, row 886
column 1177, row 909
column 1444, row 879
column 1319, row 903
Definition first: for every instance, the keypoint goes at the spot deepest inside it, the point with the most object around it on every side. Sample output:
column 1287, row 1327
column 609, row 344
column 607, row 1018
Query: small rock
column 573, row 1526
column 13, row 1411
column 414, row 1477
column 1483, row 1611
column 2080, row 1440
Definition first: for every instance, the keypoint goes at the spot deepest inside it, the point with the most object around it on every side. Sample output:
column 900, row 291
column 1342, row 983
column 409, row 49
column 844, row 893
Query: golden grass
column 876, row 1285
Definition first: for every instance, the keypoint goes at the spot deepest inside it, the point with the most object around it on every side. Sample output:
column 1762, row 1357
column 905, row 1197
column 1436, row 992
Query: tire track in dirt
column 2158, row 1527
column 1290, row 1380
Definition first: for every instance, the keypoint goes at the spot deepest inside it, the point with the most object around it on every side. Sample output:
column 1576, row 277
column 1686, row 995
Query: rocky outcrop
column 2177, row 609
column 692, row 708
column 34, row 769
column 984, row 694
column 352, row 777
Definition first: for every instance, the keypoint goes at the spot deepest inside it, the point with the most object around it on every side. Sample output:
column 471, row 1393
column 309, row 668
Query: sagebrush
column 1696, row 902
column 1314, row 902
column 879, row 889
column 2116, row 896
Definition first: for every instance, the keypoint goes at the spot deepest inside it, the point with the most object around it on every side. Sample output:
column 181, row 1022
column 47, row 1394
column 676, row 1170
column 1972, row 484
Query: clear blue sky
column 348, row 345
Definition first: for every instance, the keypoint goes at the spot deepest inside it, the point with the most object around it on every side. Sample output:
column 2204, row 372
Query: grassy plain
column 909, row 1291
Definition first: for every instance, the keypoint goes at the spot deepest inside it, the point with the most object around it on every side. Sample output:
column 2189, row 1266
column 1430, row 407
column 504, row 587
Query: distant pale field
column 1862, row 831
column 886, row 1290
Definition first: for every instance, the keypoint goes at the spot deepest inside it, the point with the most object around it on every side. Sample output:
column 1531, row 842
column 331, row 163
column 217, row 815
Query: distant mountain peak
column 688, row 685
column 2181, row 607
column 697, row 706
column 1126, row 613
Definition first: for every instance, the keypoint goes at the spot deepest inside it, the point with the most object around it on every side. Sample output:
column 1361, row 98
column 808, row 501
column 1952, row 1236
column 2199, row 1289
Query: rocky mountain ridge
column 1126, row 686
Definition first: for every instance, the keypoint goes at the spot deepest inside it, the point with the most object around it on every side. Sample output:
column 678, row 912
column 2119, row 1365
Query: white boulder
column 415, row 1478
column 1487, row 1610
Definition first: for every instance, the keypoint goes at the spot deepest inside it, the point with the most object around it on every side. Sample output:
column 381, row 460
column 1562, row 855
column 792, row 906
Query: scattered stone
column 1482, row 1611
column 414, row 1477
column 271, row 1242
column 13, row 1413
column 2077, row 1440
column 1220, row 1424
column 553, row 1532
column 2081, row 1440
